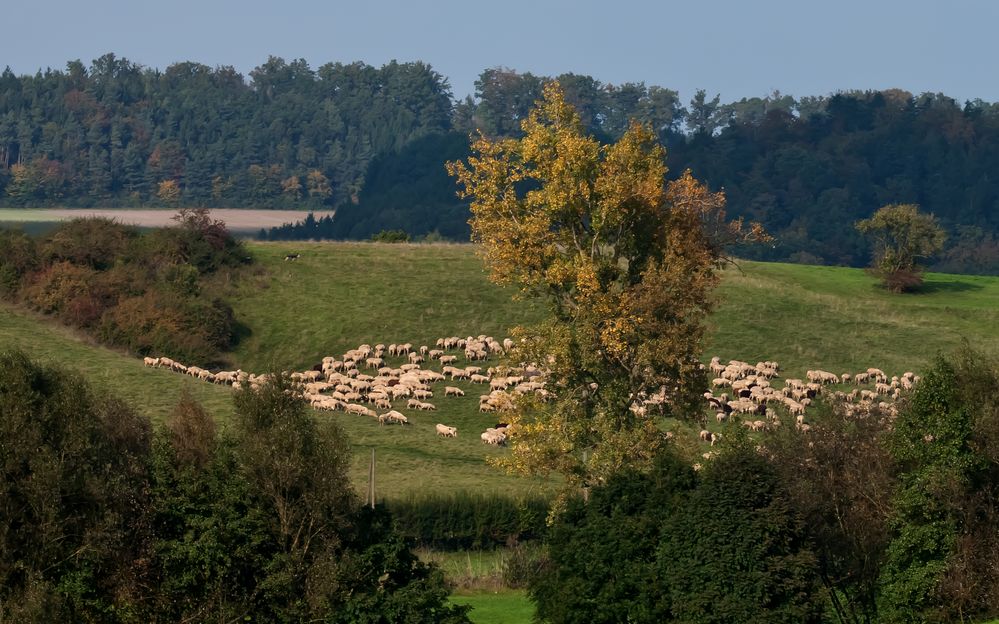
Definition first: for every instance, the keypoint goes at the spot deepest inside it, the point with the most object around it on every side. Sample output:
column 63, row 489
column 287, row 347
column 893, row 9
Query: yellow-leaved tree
column 626, row 263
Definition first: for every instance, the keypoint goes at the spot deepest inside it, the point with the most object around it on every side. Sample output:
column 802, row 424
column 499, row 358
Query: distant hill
column 371, row 142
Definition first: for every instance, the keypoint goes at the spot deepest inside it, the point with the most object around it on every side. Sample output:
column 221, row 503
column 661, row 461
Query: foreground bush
column 101, row 521
column 465, row 520
column 675, row 546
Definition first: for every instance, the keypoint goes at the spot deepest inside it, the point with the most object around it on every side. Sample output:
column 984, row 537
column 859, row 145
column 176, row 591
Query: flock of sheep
column 750, row 393
column 754, row 395
column 338, row 383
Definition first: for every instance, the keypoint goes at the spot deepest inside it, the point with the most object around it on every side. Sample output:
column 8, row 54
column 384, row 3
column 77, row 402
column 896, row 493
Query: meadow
column 339, row 295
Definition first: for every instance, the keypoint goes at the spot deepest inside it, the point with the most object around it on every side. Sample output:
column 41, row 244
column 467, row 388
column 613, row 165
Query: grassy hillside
column 838, row 319
column 337, row 296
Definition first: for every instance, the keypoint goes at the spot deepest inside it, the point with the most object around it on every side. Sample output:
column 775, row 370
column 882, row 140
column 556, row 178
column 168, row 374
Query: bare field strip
column 236, row 219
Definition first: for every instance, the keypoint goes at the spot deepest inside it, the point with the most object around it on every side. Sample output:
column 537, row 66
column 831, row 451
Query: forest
column 372, row 143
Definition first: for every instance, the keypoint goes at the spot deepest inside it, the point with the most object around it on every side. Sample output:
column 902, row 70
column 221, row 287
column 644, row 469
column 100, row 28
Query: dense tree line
column 103, row 519
column 285, row 136
column 153, row 293
column 372, row 142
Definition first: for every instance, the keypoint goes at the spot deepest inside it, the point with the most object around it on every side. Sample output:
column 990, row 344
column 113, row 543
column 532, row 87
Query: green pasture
column 509, row 606
column 338, row 295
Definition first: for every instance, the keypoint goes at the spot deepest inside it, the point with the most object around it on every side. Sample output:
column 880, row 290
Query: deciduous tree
column 902, row 237
column 626, row 264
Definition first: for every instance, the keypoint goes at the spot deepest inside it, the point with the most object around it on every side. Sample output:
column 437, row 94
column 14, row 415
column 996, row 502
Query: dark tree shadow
column 945, row 287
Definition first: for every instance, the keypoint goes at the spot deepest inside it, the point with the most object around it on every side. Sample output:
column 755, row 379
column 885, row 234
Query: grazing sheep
column 452, row 391
column 353, row 408
column 494, row 437
column 447, row 432
column 392, row 417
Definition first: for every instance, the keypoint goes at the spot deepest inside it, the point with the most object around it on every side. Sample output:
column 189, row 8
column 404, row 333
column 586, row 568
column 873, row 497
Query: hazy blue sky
column 736, row 48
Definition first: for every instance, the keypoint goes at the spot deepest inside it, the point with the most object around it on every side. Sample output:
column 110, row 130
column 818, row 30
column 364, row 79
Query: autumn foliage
column 627, row 264
column 151, row 293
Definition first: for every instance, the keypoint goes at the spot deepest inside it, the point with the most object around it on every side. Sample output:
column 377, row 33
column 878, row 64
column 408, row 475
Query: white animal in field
column 446, row 431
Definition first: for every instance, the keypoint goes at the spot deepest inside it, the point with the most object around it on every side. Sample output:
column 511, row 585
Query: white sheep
column 446, row 431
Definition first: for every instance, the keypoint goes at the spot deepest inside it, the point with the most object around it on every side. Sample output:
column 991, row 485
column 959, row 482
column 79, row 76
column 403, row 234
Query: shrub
column 73, row 492
column 94, row 242
column 735, row 551
column 102, row 522
column 391, row 236
column 944, row 526
column 162, row 323
column 601, row 562
column 140, row 291
column 18, row 257
column 465, row 520
column 75, row 294
column 670, row 546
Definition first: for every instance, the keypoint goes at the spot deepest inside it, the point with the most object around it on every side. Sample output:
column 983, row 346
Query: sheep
column 353, row 408
column 392, row 417
column 446, row 431
column 452, row 391
column 705, row 435
column 494, row 437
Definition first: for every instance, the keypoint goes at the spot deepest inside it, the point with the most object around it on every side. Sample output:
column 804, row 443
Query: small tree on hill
column 902, row 237
column 626, row 264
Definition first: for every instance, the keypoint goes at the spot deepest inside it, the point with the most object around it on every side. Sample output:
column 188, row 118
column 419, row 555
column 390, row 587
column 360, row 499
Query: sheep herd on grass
column 755, row 398
column 750, row 393
column 338, row 383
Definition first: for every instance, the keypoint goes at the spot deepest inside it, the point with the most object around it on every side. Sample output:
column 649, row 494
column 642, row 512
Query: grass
column 839, row 320
column 152, row 392
column 338, row 295
column 510, row 606
column 469, row 570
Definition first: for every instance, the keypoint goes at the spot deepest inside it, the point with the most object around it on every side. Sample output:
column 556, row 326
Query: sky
column 737, row 48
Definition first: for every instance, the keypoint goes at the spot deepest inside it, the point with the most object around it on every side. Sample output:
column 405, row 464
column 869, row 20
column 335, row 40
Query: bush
column 73, row 293
column 944, row 526
column 601, row 562
column 390, row 236
column 73, row 497
column 18, row 257
column 674, row 547
column 102, row 522
column 93, row 242
column 158, row 323
column 140, row 291
column 465, row 520
column 735, row 551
